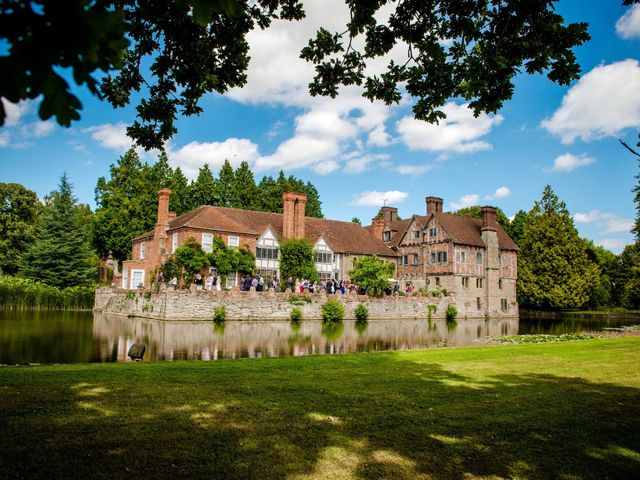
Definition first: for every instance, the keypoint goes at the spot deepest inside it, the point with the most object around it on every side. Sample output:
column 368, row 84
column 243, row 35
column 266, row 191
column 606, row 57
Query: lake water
column 81, row 337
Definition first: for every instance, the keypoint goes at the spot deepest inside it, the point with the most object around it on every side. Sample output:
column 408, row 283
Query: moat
column 81, row 337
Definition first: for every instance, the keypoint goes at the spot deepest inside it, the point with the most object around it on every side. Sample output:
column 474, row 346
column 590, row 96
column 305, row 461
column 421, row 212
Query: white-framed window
column 416, row 235
column 479, row 258
column 125, row 278
column 416, row 259
column 232, row 279
column 207, row 242
column 433, row 257
column 405, row 259
column 324, row 257
column 233, row 241
column 267, row 253
column 142, row 251
column 137, row 278
column 432, row 232
column 386, row 236
column 174, row 243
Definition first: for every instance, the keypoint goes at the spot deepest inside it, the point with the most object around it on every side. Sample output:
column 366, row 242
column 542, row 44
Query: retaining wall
column 172, row 304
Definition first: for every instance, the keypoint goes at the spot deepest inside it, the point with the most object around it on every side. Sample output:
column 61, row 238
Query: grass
column 558, row 410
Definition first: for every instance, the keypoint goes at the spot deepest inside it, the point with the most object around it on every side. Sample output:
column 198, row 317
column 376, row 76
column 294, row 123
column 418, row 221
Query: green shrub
column 22, row 293
column 451, row 313
column 220, row 314
column 299, row 299
column 445, row 292
column 296, row 314
column 431, row 309
column 436, row 292
column 333, row 311
column 362, row 312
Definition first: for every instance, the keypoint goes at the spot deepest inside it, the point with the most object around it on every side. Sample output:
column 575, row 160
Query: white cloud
column 14, row 111
column 614, row 244
column 377, row 199
column 361, row 163
column 458, row 133
column 628, row 25
column 194, row 155
column 466, row 201
column 416, row 170
column 607, row 222
column 111, row 135
column 501, row 192
column 569, row 162
column 4, row 138
column 325, row 168
column 605, row 101
column 42, row 129
column 378, row 137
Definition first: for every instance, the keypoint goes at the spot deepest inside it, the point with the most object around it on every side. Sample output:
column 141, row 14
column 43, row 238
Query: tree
column 202, row 191
column 271, row 194
column 626, row 277
column 297, row 260
column 19, row 213
column 517, row 225
column 636, row 199
column 245, row 193
column 61, row 255
column 602, row 295
column 553, row 268
column 224, row 185
column 190, row 259
column 136, row 44
column 476, row 212
column 372, row 274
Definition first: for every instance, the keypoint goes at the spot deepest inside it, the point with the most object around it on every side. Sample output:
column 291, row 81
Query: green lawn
column 562, row 410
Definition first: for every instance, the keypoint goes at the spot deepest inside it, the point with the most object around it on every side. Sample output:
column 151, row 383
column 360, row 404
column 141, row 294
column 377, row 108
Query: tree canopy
column 61, row 255
column 19, row 213
column 468, row 50
column 554, row 270
column 372, row 274
column 476, row 212
column 297, row 260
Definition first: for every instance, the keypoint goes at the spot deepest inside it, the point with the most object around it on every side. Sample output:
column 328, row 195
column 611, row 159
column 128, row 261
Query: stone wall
column 172, row 304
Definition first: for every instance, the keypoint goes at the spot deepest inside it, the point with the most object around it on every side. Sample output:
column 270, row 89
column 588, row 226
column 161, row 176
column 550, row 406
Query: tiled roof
column 342, row 237
column 468, row 231
column 463, row 230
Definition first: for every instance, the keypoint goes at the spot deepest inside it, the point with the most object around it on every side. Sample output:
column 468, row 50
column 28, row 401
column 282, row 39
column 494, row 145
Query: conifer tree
column 553, row 268
column 179, row 202
column 202, row 191
column 225, row 185
column 245, row 192
column 61, row 255
column 516, row 226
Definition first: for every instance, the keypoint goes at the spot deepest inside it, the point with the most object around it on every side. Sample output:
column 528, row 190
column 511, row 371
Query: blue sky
column 359, row 154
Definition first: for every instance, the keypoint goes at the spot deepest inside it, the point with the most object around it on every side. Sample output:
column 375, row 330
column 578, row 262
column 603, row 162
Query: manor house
column 474, row 259
column 336, row 244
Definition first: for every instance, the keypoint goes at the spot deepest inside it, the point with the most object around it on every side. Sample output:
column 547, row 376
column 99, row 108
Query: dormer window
column 386, row 236
column 432, row 232
column 416, row 235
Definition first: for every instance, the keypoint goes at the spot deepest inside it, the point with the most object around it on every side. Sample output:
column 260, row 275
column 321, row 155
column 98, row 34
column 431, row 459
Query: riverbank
column 531, row 411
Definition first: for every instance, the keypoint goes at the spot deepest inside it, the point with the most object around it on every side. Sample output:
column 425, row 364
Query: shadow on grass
column 374, row 416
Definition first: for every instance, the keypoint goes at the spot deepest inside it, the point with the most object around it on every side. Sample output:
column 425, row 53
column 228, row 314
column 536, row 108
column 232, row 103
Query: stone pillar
column 492, row 262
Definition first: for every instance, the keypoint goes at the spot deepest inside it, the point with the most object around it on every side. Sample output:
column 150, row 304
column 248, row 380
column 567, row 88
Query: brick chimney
column 163, row 206
column 489, row 218
column 293, row 207
column 434, row 204
column 377, row 227
column 389, row 214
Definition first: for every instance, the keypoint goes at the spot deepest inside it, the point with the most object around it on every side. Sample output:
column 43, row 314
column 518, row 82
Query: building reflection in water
column 166, row 340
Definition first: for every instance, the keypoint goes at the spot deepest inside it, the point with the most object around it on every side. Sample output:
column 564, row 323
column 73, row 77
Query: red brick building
column 474, row 259
column 336, row 243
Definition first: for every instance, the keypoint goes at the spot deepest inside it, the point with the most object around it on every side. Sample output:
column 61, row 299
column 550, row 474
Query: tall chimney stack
column 293, row 208
column 163, row 206
column 489, row 218
column 434, row 205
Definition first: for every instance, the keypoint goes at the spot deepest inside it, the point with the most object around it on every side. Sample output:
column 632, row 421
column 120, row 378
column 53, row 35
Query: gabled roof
column 462, row 230
column 342, row 237
column 402, row 226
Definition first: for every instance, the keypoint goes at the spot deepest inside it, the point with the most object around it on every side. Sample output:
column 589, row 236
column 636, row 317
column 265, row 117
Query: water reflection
column 208, row 341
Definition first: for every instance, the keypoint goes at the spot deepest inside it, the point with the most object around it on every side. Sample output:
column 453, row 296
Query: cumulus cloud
column 4, row 139
column 378, row 199
column 194, row 155
column 569, row 162
column 614, row 244
column 607, row 222
column 42, row 129
column 501, row 192
column 378, row 137
column 111, row 135
column 628, row 25
column 460, row 132
column 605, row 101
column 14, row 111
column 466, row 201
column 361, row 163
column 416, row 170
